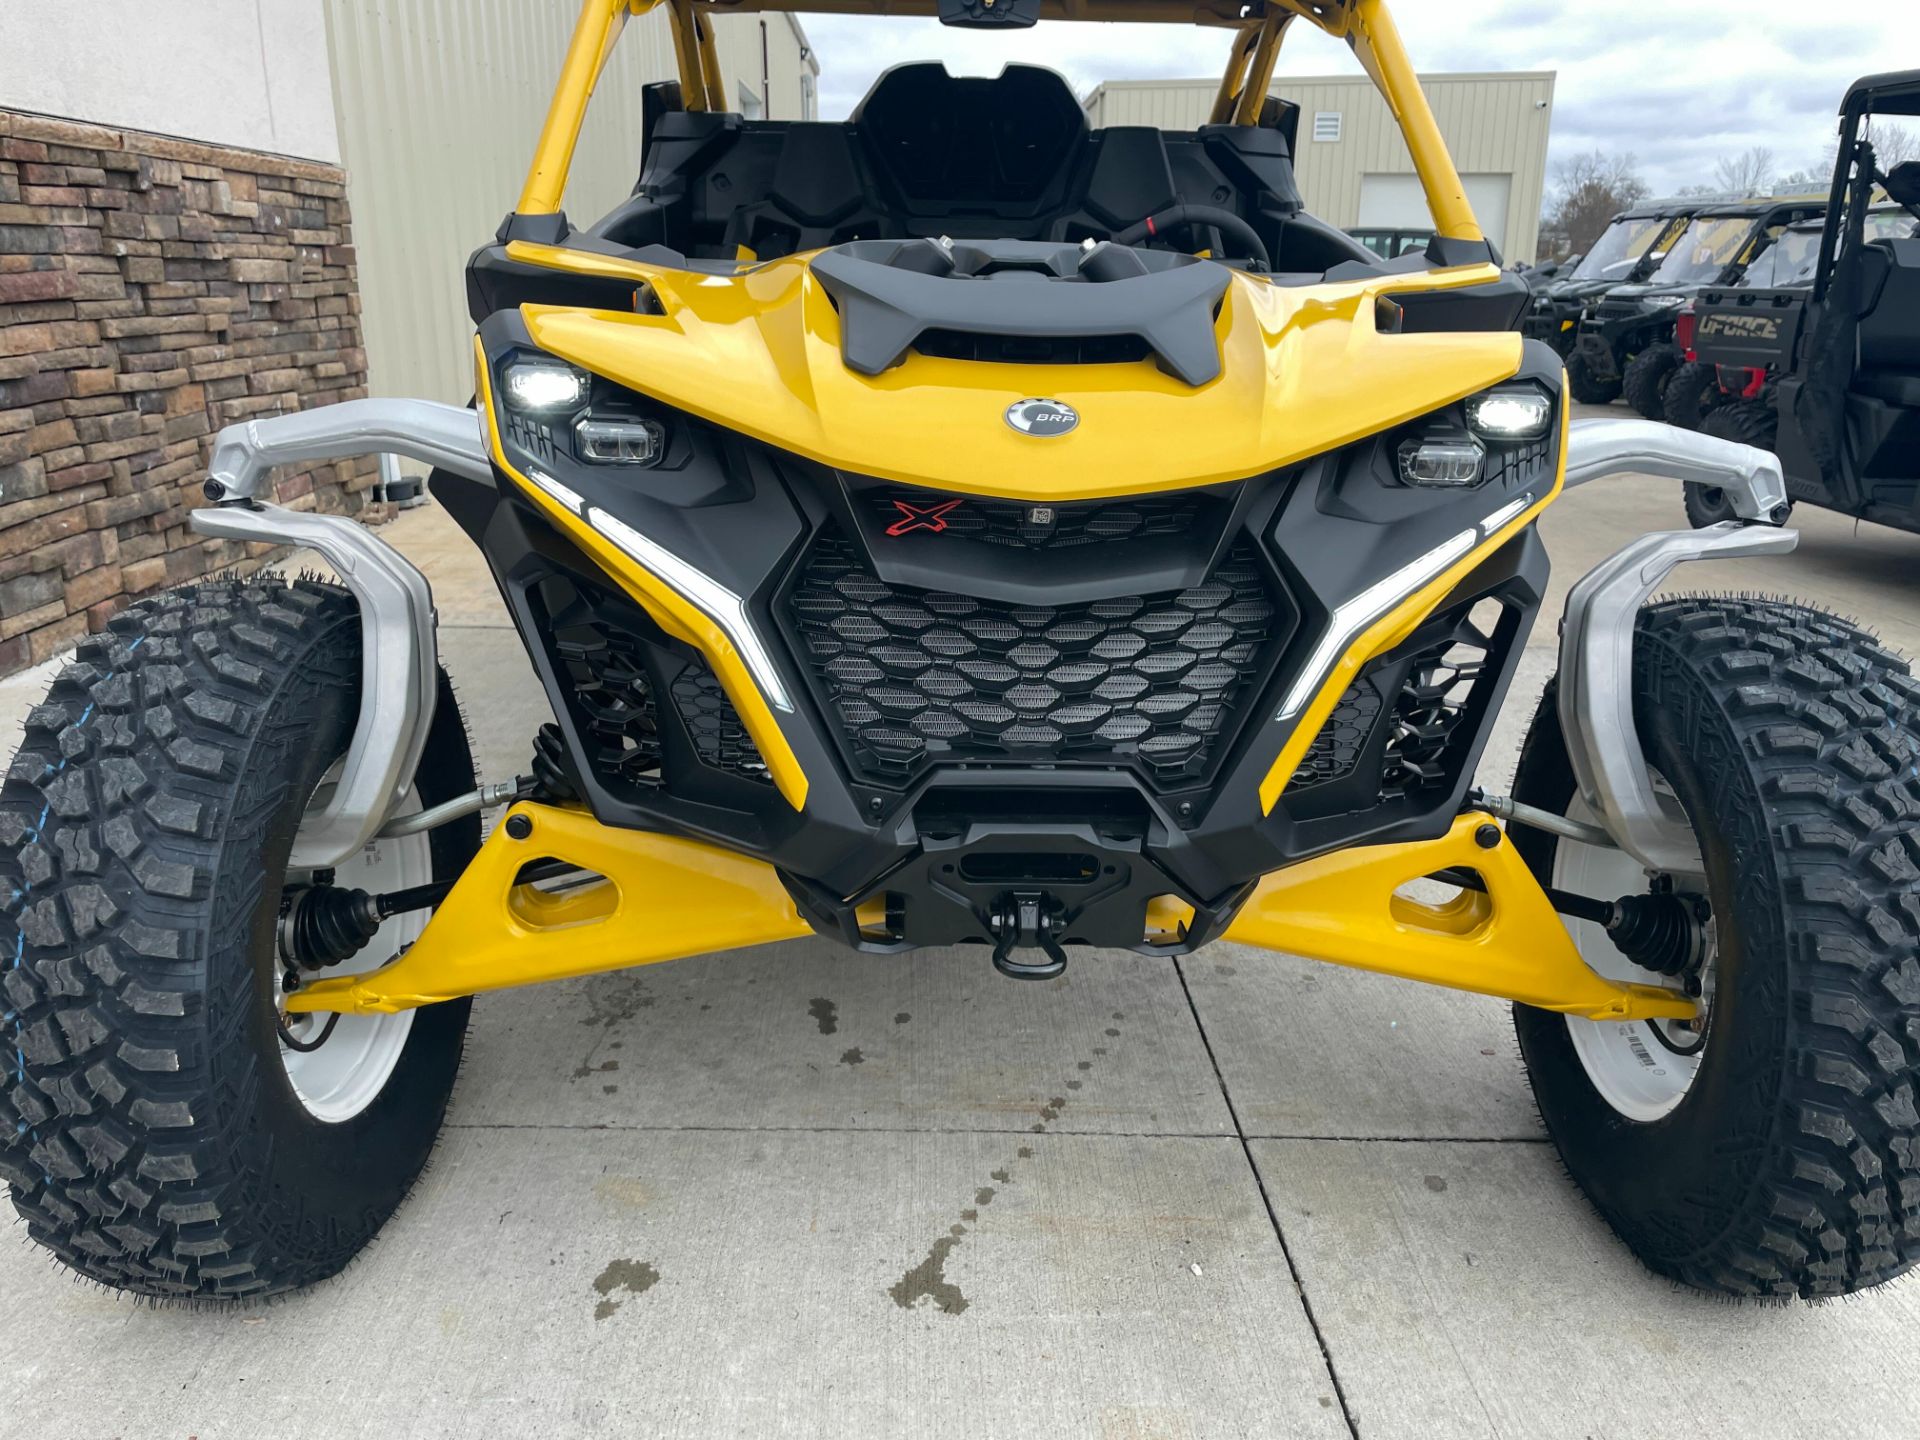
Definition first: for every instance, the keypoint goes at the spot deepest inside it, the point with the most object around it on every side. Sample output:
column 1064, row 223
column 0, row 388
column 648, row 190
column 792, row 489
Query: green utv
column 1823, row 368
column 1626, row 337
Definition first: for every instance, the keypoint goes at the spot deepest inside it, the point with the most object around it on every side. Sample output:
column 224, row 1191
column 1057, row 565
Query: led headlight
column 1442, row 463
column 1510, row 414
column 619, row 442
column 544, row 385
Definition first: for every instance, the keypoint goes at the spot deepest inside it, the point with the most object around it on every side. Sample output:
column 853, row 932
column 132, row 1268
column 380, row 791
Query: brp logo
column 1042, row 418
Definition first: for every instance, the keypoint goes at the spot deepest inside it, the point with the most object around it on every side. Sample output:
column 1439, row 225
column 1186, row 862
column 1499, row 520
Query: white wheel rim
column 346, row 1073
column 1636, row 1065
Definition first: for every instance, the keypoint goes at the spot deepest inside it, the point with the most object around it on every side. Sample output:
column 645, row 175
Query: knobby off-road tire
column 1751, row 422
column 1644, row 381
column 1692, row 393
column 1791, row 1164
column 152, row 1138
column 1706, row 505
column 1588, row 388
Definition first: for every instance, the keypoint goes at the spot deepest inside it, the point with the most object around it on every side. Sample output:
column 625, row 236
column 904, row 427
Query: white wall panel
column 251, row 73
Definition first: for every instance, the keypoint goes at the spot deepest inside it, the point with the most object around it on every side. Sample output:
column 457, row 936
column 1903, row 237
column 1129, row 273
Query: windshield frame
column 1690, row 272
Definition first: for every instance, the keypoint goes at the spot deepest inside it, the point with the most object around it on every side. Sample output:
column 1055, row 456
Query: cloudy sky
column 1679, row 85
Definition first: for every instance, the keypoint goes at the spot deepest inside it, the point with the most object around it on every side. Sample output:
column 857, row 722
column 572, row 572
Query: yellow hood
column 1304, row 371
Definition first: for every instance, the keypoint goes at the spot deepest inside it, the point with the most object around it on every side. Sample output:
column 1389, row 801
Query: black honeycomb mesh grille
column 1423, row 701
column 1016, row 525
column 915, row 677
column 719, row 736
column 1421, row 751
column 615, row 708
column 1338, row 746
column 612, row 696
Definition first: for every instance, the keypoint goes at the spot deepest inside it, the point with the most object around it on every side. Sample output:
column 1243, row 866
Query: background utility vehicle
column 1739, row 357
column 1632, row 244
column 922, row 545
column 1627, row 334
column 1839, row 400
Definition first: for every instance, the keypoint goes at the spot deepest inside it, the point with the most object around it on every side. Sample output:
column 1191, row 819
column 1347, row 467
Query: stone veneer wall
column 153, row 290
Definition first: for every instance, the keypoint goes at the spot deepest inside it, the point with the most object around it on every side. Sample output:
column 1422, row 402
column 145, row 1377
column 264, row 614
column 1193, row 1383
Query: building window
column 806, row 97
column 751, row 106
column 1326, row 125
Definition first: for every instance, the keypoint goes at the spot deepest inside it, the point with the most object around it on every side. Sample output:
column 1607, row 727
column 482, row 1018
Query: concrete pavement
column 795, row 1191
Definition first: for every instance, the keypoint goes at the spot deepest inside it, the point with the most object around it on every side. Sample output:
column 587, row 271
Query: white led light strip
column 1381, row 596
column 714, row 600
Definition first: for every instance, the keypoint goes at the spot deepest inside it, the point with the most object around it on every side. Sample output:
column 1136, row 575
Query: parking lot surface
column 795, row 1191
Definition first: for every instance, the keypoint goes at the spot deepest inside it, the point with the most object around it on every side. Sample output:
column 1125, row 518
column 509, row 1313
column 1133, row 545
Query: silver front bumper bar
column 399, row 656
column 1596, row 636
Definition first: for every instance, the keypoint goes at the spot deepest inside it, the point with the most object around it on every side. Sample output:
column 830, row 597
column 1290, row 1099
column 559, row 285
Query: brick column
column 153, row 290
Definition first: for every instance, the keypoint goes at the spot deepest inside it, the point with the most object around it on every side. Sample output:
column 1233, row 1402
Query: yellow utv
column 961, row 527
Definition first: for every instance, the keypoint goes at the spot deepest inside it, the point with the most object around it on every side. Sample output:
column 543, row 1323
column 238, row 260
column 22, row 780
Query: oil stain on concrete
column 928, row 1280
column 826, row 1014
column 636, row 1277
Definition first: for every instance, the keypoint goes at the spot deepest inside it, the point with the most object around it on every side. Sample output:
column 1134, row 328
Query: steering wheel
column 1198, row 217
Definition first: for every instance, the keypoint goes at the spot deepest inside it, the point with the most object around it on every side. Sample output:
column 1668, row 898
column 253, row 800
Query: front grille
column 1338, row 747
column 1411, row 712
column 613, row 694
column 1428, row 712
column 1020, row 526
column 719, row 736
column 914, row 677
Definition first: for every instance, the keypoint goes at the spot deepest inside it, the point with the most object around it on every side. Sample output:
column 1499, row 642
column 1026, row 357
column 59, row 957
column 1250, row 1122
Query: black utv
column 1837, row 359
column 1626, row 337
column 1634, row 242
column 1732, row 347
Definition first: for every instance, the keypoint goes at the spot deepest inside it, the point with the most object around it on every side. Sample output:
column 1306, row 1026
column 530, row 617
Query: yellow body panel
column 661, row 898
column 1393, row 627
column 671, row 610
column 759, row 352
column 1508, row 942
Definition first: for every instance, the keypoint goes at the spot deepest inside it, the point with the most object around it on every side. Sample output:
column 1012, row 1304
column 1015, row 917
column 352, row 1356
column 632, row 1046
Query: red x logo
column 921, row 517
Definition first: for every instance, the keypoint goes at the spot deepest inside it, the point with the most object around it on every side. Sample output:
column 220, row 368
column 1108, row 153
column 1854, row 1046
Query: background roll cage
column 1365, row 25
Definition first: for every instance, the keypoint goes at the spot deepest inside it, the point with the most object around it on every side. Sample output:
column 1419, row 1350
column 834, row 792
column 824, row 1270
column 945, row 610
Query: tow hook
column 1026, row 920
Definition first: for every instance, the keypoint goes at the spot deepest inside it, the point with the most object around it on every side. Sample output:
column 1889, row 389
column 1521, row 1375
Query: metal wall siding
column 439, row 103
column 1493, row 123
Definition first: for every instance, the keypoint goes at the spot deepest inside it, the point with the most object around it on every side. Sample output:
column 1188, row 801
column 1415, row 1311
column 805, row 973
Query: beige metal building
column 1353, row 167
column 438, row 103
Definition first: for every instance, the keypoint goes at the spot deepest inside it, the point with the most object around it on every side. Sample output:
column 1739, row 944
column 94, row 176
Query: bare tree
column 1589, row 190
column 1748, row 173
column 1892, row 145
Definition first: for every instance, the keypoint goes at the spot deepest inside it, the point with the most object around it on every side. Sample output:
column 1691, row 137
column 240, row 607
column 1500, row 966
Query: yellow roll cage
column 1260, row 27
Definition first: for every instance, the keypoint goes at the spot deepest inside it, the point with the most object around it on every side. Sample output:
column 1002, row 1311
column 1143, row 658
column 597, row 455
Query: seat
column 1896, row 387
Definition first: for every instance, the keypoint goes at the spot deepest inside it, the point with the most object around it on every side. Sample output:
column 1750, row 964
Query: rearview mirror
column 989, row 14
